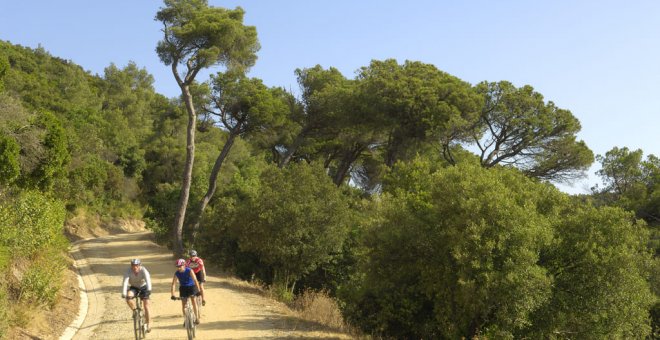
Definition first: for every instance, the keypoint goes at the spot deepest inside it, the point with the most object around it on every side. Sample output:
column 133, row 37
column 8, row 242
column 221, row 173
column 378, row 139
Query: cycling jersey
column 184, row 277
column 196, row 264
column 139, row 280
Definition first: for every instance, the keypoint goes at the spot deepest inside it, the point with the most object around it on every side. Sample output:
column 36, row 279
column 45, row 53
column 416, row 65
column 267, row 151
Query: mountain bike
column 189, row 318
column 139, row 322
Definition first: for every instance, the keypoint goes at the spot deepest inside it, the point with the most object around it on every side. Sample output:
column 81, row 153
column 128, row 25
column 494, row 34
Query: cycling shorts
column 186, row 291
column 200, row 276
column 142, row 291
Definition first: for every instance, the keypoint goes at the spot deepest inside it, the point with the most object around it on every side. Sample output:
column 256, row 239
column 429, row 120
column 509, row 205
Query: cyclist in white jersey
column 137, row 281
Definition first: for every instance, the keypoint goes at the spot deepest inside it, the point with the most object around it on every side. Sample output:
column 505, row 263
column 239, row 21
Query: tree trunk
column 294, row 147
column 177, row 241
column 392, row 150
column 213, row 181
column 350, row 156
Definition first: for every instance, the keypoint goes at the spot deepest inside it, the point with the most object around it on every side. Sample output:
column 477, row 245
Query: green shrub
column 452, row 253
column 280, row 292
column 43, row 280
column 30, row 221
column 9, row 159
column 4, row 305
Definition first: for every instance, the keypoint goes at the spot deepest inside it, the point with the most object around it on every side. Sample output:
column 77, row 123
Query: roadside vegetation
column 358, row 201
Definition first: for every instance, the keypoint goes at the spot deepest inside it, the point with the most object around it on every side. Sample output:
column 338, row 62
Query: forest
column 424, row 205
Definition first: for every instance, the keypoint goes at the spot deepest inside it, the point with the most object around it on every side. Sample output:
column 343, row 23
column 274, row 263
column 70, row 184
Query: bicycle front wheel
column 143, row 325
column 190, row 324
column 137, row 325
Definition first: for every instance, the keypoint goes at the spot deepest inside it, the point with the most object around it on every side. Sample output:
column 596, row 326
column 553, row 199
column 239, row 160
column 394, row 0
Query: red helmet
column 180, row 262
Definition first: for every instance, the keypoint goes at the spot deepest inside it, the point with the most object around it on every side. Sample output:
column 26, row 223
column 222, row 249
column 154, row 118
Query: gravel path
column 232, row 311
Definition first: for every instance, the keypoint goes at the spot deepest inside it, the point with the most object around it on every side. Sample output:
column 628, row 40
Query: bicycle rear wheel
column 198, row 299
column 194, row 327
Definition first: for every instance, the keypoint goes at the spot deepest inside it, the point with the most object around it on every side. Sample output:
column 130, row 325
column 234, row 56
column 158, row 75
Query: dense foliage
column 32, row 232
column 466, row 252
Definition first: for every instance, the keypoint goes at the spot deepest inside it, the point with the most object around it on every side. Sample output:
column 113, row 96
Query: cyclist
column 137, row 281
column 188, row 287
column 197, row 265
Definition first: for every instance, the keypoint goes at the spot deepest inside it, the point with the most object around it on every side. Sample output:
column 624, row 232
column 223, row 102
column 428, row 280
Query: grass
column 314, row 307
column 321, row 308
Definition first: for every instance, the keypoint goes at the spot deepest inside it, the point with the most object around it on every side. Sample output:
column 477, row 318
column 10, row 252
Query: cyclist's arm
column 124, row 285
column 173, row 283
column 147, row 277
column 203, row 270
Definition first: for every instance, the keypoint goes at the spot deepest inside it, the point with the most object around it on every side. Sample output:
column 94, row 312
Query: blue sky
column 598, row 59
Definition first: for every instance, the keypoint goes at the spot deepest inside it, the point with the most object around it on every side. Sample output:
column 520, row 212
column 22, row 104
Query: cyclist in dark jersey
column 197, row 265
column 188, row 287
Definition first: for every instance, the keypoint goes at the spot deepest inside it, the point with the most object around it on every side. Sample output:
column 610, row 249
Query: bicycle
column 139, row 324
column 189, row 318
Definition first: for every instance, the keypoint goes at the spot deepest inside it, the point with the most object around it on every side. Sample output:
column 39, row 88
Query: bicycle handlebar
column 180, row 298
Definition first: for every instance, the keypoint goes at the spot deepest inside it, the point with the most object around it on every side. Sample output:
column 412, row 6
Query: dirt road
column 233, row 310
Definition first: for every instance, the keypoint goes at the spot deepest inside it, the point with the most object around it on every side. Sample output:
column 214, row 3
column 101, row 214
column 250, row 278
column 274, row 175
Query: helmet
column 135, row 261
column 193, row 253
column 180, row 262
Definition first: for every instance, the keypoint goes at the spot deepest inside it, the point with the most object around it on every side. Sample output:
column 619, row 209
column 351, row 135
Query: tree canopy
column 518, row 128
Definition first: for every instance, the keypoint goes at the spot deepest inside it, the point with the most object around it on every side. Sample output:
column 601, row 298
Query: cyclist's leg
column 130, row 294
column 183, row 294
column 200, row 279
column 145, row 305
column 194, row 304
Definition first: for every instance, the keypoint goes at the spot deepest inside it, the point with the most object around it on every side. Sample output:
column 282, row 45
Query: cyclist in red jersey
column 197, row 265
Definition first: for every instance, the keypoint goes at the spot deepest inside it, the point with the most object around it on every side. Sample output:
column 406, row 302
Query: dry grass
column 315, row 314
column 321, row 308
column 316, row 307
column 33, row 321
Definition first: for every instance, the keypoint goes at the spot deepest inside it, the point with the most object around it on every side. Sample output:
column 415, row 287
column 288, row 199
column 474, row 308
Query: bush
column 43, row 279
column 452, row 253
column 319, row 307
column 30, row 222
column 32, row 226
column 160, row 213
column 9, row 159
column 4, row 305
column 280, row 292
